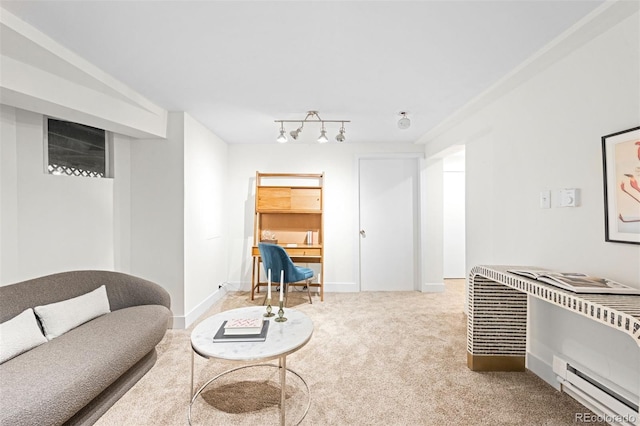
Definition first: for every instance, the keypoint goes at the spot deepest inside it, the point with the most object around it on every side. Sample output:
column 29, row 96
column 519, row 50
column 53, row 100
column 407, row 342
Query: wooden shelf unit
column 289, row 205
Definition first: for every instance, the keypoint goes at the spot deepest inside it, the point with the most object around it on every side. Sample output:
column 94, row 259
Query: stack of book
column 242, row 330
column 577, row 282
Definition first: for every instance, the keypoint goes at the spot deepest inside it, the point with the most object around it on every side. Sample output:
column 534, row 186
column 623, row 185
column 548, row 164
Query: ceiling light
column 340, row 136
column 404, row 121
column 323, row 135
column 294, row 133
column 312, row 116
column 282, row 138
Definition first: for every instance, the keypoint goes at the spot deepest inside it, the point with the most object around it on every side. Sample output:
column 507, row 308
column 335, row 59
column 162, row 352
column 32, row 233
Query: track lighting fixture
column 312, row 116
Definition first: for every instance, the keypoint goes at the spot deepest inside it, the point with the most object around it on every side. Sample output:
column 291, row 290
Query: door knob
column 364, row 234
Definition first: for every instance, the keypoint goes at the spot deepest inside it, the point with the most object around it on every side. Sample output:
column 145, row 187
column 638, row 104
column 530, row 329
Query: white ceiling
column 236, row 66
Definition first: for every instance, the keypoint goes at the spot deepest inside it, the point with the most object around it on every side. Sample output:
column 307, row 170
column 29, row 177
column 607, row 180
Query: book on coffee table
column 243, row 326
column 261, row 336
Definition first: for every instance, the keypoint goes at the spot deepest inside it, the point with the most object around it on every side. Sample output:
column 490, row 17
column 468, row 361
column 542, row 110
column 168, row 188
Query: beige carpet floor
column 379, row 358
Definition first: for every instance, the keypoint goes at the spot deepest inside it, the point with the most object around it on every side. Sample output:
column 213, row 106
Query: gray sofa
column 73, row 379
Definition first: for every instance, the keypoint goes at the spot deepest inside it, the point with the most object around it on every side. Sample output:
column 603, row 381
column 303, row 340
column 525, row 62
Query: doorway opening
column 453, row 206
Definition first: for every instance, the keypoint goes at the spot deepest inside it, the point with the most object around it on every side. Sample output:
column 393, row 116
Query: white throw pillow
column 19, row 334
column 60, row 317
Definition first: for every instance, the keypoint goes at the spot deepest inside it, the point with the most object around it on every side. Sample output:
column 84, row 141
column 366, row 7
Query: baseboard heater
column 614, row 406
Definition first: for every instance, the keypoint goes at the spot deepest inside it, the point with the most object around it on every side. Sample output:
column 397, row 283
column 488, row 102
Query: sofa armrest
column 126, row 290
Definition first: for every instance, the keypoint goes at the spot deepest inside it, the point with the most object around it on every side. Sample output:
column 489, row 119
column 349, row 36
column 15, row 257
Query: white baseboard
column 341, row 287
column 178, row 323
column 542, row 369
column 432, row 287
column 334, row 287
column 182, row 322
column 238, row 286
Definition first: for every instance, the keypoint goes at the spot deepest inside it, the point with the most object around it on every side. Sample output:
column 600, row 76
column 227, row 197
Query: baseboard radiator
column 614, row 406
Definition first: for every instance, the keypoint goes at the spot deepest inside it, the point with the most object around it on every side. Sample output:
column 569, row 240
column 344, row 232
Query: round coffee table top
column 283, row 338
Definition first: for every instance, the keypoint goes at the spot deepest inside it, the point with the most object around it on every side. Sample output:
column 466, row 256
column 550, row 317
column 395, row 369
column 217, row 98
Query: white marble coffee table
column 283, row 338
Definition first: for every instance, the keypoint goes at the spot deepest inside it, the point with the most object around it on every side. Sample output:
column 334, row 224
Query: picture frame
column 621, row 172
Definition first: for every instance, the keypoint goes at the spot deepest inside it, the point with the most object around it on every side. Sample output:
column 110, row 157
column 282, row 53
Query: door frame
column 420, row 166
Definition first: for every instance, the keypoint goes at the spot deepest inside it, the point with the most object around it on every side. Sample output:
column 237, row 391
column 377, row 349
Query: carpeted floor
column 379, row 358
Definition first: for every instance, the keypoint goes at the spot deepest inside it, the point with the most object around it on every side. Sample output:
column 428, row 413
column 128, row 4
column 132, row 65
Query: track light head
column 340, row 136
column 295, row 133
column 323, row 137
column 282, row 138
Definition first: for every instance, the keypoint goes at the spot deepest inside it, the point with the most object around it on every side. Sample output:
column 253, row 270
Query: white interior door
column 388, row 223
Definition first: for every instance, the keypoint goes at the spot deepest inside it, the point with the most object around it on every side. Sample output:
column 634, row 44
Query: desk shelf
column 289, row 205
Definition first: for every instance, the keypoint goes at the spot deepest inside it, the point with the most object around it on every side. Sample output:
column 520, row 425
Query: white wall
column 157, row 210
column 49, row 223
column 545, row 134
column 453, row 216
column 340, row 201
column 178, row 205
column 205, row 205
column 121, row 169
column 432, row 244
column 9, row 271
column 157, row 218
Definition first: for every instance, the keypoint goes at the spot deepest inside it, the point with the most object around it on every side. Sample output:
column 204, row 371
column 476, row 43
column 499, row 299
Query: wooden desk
column 288, row 209
column 299, row 254
column 497, row 320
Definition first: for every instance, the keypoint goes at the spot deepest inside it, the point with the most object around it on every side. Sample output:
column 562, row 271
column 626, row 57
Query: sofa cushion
column 52, row 382
column 60, row 317
column 19, row 334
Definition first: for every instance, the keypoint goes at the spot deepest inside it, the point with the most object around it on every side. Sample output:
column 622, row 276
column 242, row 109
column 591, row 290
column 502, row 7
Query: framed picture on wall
column 621, row 167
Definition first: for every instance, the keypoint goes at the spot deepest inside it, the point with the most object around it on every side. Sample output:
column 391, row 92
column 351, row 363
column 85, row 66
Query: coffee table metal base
column 283, row 369
column 283, row 339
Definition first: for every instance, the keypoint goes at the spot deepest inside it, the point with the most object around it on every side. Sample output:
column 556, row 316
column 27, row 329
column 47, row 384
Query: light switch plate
column 545, row 199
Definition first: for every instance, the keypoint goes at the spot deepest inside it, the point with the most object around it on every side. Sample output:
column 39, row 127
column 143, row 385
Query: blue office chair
column 276, row 258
